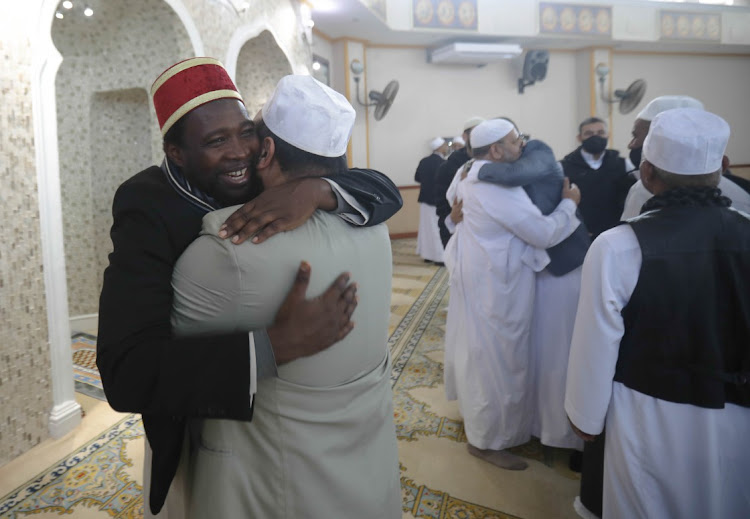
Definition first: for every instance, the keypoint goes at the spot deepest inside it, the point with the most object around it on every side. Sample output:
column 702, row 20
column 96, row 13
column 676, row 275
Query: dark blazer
column 145, row 369
column 425, row 175
column 603, row 190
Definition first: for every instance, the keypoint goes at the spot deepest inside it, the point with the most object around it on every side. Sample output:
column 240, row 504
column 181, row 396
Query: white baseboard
column 64, row 418
column 84, row 323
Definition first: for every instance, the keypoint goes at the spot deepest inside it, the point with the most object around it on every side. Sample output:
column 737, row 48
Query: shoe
column 439, row 263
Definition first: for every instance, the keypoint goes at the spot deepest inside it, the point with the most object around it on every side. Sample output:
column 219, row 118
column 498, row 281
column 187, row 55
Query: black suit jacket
column 144, row 368
column 425, row 175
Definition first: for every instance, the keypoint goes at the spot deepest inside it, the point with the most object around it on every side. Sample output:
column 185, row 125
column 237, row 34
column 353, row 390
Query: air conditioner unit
column 473, row 53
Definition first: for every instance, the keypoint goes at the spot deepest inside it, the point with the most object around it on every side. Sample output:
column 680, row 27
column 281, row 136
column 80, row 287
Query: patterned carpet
column 439, row 479
column 85, row 372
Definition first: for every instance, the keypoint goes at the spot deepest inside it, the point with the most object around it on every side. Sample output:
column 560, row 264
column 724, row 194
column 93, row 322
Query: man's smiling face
column 219, row 151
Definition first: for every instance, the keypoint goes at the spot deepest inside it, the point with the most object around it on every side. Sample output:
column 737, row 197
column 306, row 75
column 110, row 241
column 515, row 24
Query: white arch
column 66, row 412
column 244, row 34
column 187, row 21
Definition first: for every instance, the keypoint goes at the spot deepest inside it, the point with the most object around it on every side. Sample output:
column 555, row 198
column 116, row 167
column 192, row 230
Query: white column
column 66, row 412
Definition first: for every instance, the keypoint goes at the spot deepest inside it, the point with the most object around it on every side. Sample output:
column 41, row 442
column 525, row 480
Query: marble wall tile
column 261, row 64
column 123, row 48
column 25, row 392
column 107, row 132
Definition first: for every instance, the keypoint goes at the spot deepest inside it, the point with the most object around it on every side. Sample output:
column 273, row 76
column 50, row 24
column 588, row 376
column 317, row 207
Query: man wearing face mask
column 601, row 176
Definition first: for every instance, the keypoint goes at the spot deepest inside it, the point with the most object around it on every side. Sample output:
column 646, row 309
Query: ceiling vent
column 472, row 53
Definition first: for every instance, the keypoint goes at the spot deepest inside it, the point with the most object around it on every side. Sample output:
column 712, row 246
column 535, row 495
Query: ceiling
column 350, row 18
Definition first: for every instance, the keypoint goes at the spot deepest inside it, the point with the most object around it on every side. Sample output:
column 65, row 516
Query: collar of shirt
column 591, row 161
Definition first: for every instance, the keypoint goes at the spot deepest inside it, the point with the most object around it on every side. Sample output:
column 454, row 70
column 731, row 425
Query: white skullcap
column 436, row 143
column 660, row 104
column 472, row 122
column 310, row 116
column 686, row 141
column 459, row 140
column 490, row 132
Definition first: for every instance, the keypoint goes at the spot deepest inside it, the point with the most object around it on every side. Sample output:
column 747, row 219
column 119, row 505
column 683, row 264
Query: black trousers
column 592, row 475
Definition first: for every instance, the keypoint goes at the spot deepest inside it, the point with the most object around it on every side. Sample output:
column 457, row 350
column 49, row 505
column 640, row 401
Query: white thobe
column 639, row 195
column 492, row 259
column 662, row 459
column 552, row 323
column 429, row 244
column 322, row 442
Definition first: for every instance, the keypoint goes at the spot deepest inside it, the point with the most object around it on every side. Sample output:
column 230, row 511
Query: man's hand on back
column 571, row 191
column 457, row 212
column 306, row 326
column 277, row 209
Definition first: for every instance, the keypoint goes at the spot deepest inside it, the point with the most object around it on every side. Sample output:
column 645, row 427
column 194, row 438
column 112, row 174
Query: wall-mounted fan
column 628, row 98
column 534, row 68
column 382, row 101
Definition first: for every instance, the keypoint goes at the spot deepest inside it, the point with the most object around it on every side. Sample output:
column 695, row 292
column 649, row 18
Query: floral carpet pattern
column 95, row 481
column 94, row 477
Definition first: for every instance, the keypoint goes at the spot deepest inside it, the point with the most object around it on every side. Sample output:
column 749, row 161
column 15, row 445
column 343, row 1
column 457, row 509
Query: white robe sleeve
column 739, row 197
column 610, row 273
column 452, row 192
column 521, row 217
column 206, row 280
column 348, row 208
column 637, row 196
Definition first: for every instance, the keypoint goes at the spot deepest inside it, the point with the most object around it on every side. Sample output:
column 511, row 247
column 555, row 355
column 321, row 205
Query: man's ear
column 648, row 177
column 496, row 151
column 579, row 138
column 267, row 151
column 174, row 153
column 724, row 163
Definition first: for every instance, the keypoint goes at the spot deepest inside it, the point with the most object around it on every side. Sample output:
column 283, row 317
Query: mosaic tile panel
column 217, row 23
column 260, row 66
column 25, row 392
column 105, row 130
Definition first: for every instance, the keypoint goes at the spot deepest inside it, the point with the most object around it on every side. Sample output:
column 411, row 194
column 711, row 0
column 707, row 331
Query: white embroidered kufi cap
column 459, row 140
column 660, row 104
column 686, row 141
column 490, row 132
column 472, row 122
column 310, row 116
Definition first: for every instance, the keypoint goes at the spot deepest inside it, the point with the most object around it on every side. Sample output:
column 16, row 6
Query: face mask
column 635, row 157
column 595, row 144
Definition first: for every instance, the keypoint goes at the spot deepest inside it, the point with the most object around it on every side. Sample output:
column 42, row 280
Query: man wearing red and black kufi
column 211, row 148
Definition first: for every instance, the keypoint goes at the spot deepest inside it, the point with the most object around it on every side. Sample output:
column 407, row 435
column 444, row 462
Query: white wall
column 436, row 100
column 323, row 48
column 720, row 82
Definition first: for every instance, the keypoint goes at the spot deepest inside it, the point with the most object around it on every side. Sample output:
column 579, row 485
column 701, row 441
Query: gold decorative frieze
column 592, row 20
column 445, row 14
column 678, row 25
